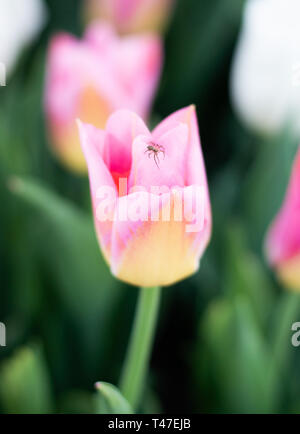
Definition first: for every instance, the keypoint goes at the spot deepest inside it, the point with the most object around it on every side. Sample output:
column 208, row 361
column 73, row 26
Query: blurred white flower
column 265, row 81
column 20, row 21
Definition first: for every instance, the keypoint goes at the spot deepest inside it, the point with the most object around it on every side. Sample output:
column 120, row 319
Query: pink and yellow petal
column 139, row 62
column 149, row 253
column 194, row 164
column 101, row 36
column 164, row 167
column 122, row 128
column 91, row 109
column 101, row 181
column 283, row 239
column 66, row 146
column 152, row 15
column 289, row 273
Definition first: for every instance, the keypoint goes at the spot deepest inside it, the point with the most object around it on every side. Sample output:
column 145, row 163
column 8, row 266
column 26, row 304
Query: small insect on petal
column 155, row 149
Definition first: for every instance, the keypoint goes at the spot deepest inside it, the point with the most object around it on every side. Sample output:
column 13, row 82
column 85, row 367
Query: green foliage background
column 223, row 340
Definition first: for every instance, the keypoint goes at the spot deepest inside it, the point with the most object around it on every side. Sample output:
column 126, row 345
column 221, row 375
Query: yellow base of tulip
column 70, row 156
column 92, row 109
column 289, row 273
column 159, row 255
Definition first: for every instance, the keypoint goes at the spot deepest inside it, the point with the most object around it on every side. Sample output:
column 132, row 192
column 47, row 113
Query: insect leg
column 162, row 150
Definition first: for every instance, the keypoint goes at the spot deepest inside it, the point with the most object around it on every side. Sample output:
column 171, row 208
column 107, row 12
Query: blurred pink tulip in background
column 283, row 241
column 131, row 16
column 92, row 77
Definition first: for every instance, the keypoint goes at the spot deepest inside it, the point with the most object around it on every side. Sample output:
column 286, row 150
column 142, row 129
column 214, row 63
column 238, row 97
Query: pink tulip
column 92, row 78
column 283, row 241
column 150, row 196
column 132, row 16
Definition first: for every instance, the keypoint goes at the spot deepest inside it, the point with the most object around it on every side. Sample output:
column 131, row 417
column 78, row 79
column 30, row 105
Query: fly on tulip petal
column 131, row 16
column 283, row 240
column 91, row 78
column 153, row 220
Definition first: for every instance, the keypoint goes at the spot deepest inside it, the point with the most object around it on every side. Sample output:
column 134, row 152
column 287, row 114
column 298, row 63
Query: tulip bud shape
column 91, row 78
column 283, row 240
column 149, row 195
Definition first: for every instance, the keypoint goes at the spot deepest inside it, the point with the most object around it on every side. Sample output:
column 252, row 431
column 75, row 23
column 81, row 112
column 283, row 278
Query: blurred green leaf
column 246, row 275
column 69, row 248
column 25, row 384
column 110, row 400
column 77, row 402
column 217, row 332
column 266, row 184
column 286, row 312
column 247, row 333
column 252, row 363
column 239, row 356
column 151, row 402
column 209, row 38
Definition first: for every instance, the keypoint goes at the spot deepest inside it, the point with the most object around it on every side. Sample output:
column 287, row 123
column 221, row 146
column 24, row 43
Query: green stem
column 139, row 350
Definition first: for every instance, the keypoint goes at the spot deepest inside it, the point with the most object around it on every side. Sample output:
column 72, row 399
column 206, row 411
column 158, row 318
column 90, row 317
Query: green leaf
column 266, row 184
column 25, row 384
column 110, row 400
column 251, row 362
column 212, row 28
column 285, row 314
column 246, row 275
column 77, row 402
column 68, row 246
column 238, row 356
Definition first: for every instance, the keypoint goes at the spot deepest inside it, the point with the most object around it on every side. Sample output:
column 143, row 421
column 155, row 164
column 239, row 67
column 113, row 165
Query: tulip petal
column 122, row 128
column 60, row 79
column 283, row 241
column 92, row 77
column 148, row 253
column 93, row 146
column 101, row 36
column 195, row 169
column 150, row 238
column 132, row 16
column 70, row 95
column 139, row 62
column 289, row 273
column 167, row 167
